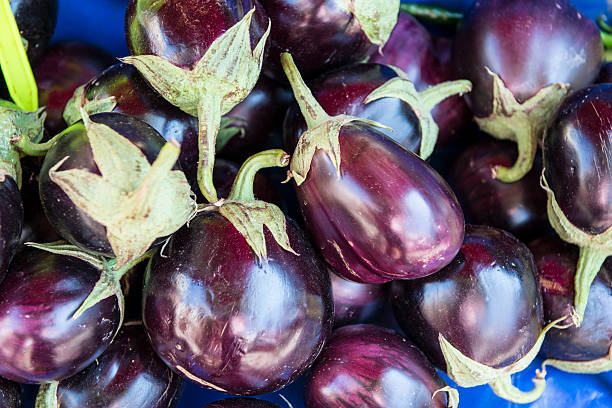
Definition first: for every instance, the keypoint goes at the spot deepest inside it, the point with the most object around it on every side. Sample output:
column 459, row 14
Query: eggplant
column 519, row 207
column 241, row 403
column 11, row 222
column 578, row 178
column 480, row 318
column 583, row 349
column 370, row 367
column 398, row 220
column 426, row 61
column 523, row 57
column 235, row 323
column 127, row 374
column 36, row 20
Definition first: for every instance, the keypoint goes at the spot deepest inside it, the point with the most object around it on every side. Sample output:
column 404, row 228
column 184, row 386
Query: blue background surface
column 100, row 22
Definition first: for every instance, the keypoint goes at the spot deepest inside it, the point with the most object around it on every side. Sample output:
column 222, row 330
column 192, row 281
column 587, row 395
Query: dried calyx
column 522, row 123
column 596, row 366
column 377, row 18
column 223, row 77
column 422, row 103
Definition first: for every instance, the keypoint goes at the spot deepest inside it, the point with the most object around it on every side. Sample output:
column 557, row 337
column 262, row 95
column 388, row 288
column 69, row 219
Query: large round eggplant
column 577, row 156
column 519, row 207
column 233, row 323
column 11, row 394
column 356, row 303
column 69, row 220
column 426, row 62
column 337, row 33
column 523, row 57
column 241, row 403
column 577, row 349
column 41, row 341
column 60, row 71
column 485, row 306
column 127, row 374
column 372, row 367
column 36, row 20
column 375, row 210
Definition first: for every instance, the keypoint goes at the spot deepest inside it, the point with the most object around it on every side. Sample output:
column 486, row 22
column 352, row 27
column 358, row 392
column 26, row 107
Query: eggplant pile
column 271, row 194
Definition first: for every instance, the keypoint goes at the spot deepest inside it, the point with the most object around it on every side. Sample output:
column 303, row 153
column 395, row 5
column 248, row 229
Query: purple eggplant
column 236, row 324
column 336, row 33
column 127, row 374
column 523, row 56
column 11, row 394
column 356, row 303
column 485, row 304
column 519, row 207
column 181, row 31
column 426, row 62
column 578, row 349
column 375, row 210
column 577, row 158
column 241, row 403
column 11, row 222
column 36, row 20
column 368, row 366
column 42, row 342
column 69, row 220
column 60, row 71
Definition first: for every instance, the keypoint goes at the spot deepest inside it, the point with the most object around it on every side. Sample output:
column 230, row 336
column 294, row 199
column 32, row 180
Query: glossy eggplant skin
column 486, row 303
column 388, row 216
column 60, row 71
column 41, row 341
column 181, row 31
column 529, row 44
column 372, row 367
column 11, row 222
column 577, row 157
column 426, row 62
column 134, row 97
column 127, row 374
column 36, row 20
column 556, row 263
column 356, row 303
column 241, row 403
column 332, row 38
column 244, row 327
column 344, row 90
column 11, row 394
column 69, row 221
column 519, row 207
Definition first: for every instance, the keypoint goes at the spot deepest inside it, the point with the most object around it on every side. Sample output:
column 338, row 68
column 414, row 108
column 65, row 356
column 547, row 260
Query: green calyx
column 377, row 18
column 47, row 395
column 432, row 13
column 17, row 127
column 136, row 201
column 248, row 215
column 14, row 62
column 469, row 373
column 223, row 77
column 78, row 102
column 452, row 396
column 597, row 366
column 323, row 130
column 422, row 103
column 594, row 249
column 522, row 123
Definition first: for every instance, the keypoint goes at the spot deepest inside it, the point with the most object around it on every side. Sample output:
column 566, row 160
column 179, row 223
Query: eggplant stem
column 596, row 366
column 242, row 189
column 432, row 13
column 30, row 148
column 433, row 95
column 589, row 264
column 209, row 122
column 504, row 388
column 311, row 109
column 47, row 395
column 527, row 144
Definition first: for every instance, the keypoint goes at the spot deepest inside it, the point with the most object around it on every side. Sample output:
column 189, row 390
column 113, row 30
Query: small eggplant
column 426, row 62
column 36, row 20
column 480, row 318
column 241, row 403
column 356, row 303
column 523, row 57
column 519, row 207
column 337, row 33
column 60, row 71
column 396, row 220
column 127, row 374
column 578, row 179
column 372, row 367
column 583, row 349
